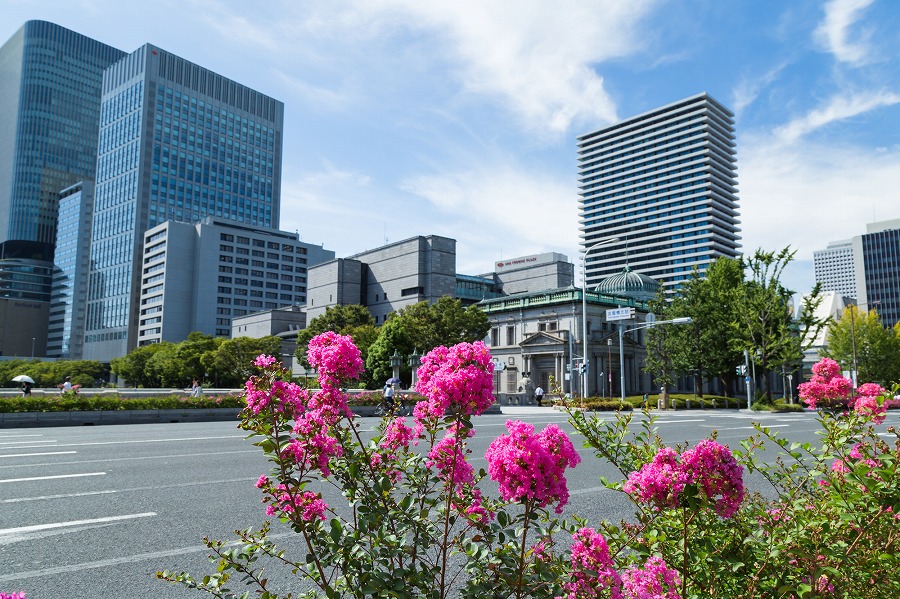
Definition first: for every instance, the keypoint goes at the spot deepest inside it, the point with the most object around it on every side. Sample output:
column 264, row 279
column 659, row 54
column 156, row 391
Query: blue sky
column 459, row 118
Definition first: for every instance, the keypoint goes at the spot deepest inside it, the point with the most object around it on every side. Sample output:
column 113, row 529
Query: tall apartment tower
column 877, row 267
column 663, row 183
column 177, row 142
column 50, row 81
column 834, row 268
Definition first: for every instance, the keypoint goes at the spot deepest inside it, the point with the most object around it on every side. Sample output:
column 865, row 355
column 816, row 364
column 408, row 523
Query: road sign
column 619, row 314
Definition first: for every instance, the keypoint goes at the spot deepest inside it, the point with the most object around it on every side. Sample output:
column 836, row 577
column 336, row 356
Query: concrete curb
column 101, row 417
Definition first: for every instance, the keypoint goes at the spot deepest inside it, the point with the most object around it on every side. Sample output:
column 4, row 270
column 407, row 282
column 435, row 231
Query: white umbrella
column 23, row 378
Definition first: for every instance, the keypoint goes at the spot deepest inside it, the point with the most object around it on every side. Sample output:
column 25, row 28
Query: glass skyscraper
column 177, row 142
column 49, row 117
column 664, row 183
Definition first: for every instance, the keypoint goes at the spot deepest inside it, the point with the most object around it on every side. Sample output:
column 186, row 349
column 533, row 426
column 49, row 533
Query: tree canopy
column 861, row 337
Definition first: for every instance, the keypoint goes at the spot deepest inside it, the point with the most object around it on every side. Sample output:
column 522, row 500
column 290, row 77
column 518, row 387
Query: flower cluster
column 869, row 403
column 336, row 357
column 12, row 595
column 531, row 467
column 709, row 466
column 308, row 505
column 263, row 394
column 592, row 568
column 654, row 581
column 456, row 379
column 826, row 386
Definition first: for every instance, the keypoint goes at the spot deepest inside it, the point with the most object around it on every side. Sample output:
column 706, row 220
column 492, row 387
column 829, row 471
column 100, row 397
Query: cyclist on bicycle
column 390, row 403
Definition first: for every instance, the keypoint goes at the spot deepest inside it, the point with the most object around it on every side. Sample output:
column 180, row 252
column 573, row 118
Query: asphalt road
column 96, row 511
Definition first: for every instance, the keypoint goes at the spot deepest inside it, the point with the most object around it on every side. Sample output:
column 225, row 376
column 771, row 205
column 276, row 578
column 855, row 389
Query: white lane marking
column 66, row 496
column 741, row 428
column 118, row 561
column 679, row 421
column 132, row 459
column 133, row 441
column 25, row 455
column 130, row 490
column 20, row 480
column 25, row 441
column 22, row 435
column 36, row 527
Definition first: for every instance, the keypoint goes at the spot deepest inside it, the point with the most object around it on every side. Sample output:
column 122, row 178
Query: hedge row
column 74, row 402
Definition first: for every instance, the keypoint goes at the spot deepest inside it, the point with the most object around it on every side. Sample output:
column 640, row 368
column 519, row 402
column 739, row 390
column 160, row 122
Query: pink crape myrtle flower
column 336, row 357
column 714, row 469
column 456, row 379
column 826, row 386
column 654, row 581
column 869, row 406
column 708, row 465
column 593, row 574
column 447, row 456
column 264, row 361
column 12, row 595
column 531, row 467
column 660, row 482
column 309, row 505
column 277, row 395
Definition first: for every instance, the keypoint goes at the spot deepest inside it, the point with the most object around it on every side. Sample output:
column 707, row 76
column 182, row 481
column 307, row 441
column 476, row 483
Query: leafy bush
column 78, row 402
column 422, row 523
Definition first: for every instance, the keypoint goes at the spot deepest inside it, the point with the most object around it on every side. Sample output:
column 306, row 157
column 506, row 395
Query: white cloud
column 748, row 88
column 534, row 56
column 839, row 108
column 807, row 194
column 834, row 32
column 502, row 210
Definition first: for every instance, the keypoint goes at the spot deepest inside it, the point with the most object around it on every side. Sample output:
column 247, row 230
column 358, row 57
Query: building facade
column 177, row 142
column 664, row 184
column 200, row 276
column 877, row 266
column 536, row 272
column 539, row 335
column 835, row 269
column 65, row 330
column 50, row 88
column 386, row 279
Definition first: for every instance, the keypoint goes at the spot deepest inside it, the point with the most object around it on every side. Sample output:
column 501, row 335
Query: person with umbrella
column 27, row 382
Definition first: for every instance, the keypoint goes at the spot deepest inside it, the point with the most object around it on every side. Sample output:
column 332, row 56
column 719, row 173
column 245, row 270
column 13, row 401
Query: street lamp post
column 584, row 331
column 396, row 360
column 414, row 364
column 682, row 320
column 609, row 367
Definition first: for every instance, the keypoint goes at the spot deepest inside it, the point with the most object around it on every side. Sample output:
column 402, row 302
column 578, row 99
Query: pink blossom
column 277, row 395
column 869, row 406
column 709, row 465
column 336, row 358
column 713, row 467
column 871, row 389
column 264, row 361
column 448, row 457
column 458, row 379
column 309, row 505
column 592, row 568
column 660, row 482
column 826, row 385
column 12, row 595
column 654, row 581
column 262, row 482
column 531, row 467
column 397, row 435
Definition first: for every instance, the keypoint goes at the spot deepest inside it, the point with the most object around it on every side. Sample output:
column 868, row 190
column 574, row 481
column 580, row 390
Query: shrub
column 422, row 523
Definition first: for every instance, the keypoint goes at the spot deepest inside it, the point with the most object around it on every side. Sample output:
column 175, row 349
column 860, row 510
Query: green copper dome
column 630, row 284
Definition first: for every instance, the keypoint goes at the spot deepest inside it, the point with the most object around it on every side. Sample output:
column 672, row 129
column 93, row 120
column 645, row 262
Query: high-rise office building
column 49, row 117
column 664, row 184
column 834, row 268
column 65, row 331
column 50, row 80
column 877, row 266
column 199, row 276
column 177, row 142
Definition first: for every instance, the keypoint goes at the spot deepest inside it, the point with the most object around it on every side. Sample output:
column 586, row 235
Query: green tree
column 861, row 337
column 133, row 367
column 231, row 364
column 765, row 325
column 422, row 327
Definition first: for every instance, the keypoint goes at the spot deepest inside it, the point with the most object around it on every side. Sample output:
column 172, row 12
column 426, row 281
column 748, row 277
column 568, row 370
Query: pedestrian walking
column 26, row 388
column 67, row 385
column 539, row 395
